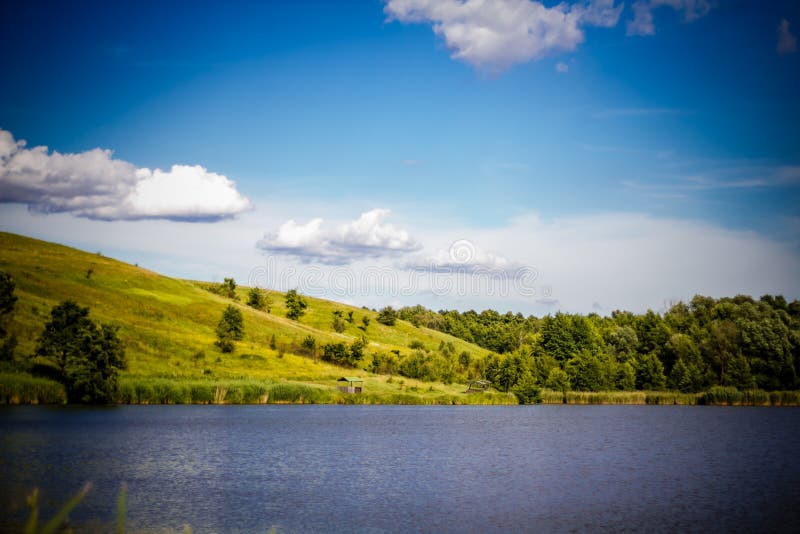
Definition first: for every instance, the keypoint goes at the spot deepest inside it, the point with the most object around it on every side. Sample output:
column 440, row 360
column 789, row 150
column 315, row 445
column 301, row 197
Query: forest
column 691, row 347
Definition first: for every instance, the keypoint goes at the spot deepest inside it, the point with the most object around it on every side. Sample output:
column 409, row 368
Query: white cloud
column 463, row 256
column 366, row 237
column 494, row 35
column 642, row 22
column 93, row 184
column 787, row 42
column 562, row 67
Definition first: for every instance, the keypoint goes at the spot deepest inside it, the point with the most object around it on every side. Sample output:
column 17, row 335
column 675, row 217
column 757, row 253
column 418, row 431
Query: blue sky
column 518, row 126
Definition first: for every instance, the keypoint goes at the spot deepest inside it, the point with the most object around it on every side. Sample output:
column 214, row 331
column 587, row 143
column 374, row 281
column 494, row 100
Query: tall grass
column 730, row 396
column 141, row 390
column 17, row 388
column 618, row 397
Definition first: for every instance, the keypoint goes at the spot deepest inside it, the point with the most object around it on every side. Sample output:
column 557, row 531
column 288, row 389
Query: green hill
column 168, row 328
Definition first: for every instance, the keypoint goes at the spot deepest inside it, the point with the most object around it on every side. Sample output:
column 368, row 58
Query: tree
column 258, row 300
column 309, row 345
column 295, row 305
column 387, row 316
column 7, row 297
column 338, row 323
column 558, row 380
column 365, row 320
column 721, row 346
column 589, row 372
column 87, row 357
column 526, row 390
column 649, row 372
column 7, row 302
column 230, row 328
column 228, row 288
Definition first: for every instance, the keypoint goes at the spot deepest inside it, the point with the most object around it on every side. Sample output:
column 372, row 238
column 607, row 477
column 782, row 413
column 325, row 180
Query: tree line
column 733, row 341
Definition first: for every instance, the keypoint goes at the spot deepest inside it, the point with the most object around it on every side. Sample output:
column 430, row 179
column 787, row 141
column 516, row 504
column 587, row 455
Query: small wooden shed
column 354, row 384
column 478, row 386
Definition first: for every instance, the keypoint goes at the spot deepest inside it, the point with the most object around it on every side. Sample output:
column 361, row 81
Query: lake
column 408, row 469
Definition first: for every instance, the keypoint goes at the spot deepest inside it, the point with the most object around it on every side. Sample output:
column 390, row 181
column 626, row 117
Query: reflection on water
column 393, row 468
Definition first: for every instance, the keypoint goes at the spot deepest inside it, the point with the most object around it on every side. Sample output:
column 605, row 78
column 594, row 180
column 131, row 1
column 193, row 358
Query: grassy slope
column 164, row 322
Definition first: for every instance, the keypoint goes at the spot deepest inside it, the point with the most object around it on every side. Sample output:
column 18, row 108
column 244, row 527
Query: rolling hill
column 168, row 328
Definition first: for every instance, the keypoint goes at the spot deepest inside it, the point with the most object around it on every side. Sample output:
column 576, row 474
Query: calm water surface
column 394, row 468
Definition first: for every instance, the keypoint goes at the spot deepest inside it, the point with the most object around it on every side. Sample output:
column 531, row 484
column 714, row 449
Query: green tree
column 625, row 377
column 526, row 390
column 589, row 372
column 622, row 343
column 558, row 380
column 87, row 357
column 7, row 303
column 7, row 298
column 335, row 353
column 309, row 345
column 365, row 320
column 228, row 288
column 649, row 372
column 338, row 323
column 258, row 300
column 295, row 305
column 387, row 316
column 721, row 346
column 230, row 328
column 556, row 337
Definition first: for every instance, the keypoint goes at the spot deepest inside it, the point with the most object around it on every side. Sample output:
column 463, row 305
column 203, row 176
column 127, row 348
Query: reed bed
column 134, row 390
column 17, row 388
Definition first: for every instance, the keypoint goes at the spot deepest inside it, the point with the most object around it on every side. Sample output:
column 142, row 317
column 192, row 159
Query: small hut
column 478, row 386
column 354, row 384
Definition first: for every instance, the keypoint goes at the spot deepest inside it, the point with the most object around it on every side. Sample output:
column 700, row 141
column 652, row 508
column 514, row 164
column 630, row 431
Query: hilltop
column 168, row 329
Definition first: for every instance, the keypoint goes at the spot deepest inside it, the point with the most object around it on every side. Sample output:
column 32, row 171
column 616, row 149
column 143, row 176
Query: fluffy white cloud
column 562, row 67
column 787, row 42
column 494, row 35
column 366, row 237
column 642, row 22
column 93, row 184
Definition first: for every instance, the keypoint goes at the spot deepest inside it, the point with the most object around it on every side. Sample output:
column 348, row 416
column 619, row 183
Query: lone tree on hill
column 230, row 328
column 295, row 305
column 87, row 357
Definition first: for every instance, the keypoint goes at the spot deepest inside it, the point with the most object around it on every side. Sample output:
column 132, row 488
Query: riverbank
column 717, row 396
column 25, row 389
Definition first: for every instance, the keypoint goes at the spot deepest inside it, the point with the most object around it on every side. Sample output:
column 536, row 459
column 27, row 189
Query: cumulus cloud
column 366, row 237
column 642, row 22
column 787, row 42
column 94, row 185
column 498, row 34
column 562, row 67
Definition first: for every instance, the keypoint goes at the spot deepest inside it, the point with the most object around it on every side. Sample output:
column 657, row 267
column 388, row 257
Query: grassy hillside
column 165, row 323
